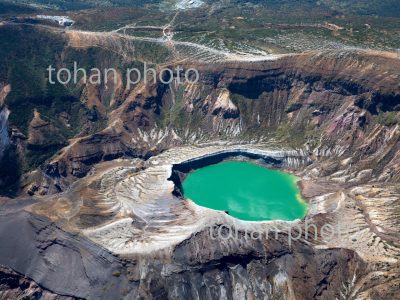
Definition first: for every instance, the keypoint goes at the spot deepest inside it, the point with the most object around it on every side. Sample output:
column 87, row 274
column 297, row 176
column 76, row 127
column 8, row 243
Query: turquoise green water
column 247, row 191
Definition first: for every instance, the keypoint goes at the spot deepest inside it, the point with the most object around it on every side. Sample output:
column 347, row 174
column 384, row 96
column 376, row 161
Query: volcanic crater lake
column 247, row 191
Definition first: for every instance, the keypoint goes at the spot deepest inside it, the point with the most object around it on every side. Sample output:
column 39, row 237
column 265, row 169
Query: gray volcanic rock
column 56, row 260
column 108, row 225
column 70, row 266
column 246, row 269
column 17, row 286
column 121, row 233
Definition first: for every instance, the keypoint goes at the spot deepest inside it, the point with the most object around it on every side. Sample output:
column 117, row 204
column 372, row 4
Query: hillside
column 91, row 173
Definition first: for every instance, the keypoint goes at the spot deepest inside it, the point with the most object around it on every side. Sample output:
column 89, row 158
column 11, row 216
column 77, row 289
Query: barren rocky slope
column 99, row 217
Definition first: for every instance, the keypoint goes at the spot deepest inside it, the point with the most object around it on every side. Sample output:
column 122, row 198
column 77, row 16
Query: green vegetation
column 387, row 8
column 24, row 66
column 387, row 118
column 116, row 274
column 269, row 25
column 78, row 4
column 174, row 115
column 293, row 107
column 10, row 172
column 11, row 8
column 279, row 29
